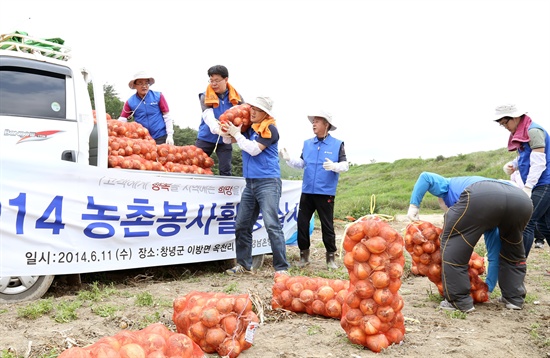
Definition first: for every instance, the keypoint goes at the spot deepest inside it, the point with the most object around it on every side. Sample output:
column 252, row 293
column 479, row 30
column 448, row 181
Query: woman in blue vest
column 323, row 159
column 259, row 145
column 532, row 144
column 477, row 206
column 149, row 108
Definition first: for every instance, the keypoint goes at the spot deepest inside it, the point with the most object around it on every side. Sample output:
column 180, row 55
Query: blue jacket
column 204, row 131
column 524, row 159
column 148, row 113
column 316, row 179
column 265, row 164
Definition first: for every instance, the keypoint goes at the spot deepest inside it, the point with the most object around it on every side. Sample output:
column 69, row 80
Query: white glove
column 527, row 191
column 170, row 140
column 413, row 213
column 285, row 154
column 233, row 130
column 227, row 139
column 329, row 164
column 508, row 168
column 123, row 119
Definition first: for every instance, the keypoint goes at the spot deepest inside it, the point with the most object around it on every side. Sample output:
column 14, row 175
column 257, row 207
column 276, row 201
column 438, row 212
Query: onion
column 197, row 331
column 370, row 324
column 286, row 298
column 307, row 296
column 377, row 342
column 376, row 244
column 395, row 270
column 362, row 270
column 348, row 244
column 355, row 232
column 353, row 300
column 383, row 296
column 368, row 306
column 318, row 307
column 153, row 342
column 230, row 348
column 395, row 285
column 333, row 308
column 210, row 317
column 394, row 336
column 242, row 305
column 385, row 313
column 370, row 227
column 75, row 352
column 349, row 261
column 132, row 350
column 360, row 252
column 354, row 316
column 380, row 279
column 215, row 336
column 357, row 336
column 325, row 293
column 297, row 305
column 296, row 288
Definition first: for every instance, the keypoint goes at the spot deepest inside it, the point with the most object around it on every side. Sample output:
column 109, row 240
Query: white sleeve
column 210, row 119
column 296, row 163
column 538, row 165
column 123, row 119
column 169, row 123
column 341, row 167
column 249, row 146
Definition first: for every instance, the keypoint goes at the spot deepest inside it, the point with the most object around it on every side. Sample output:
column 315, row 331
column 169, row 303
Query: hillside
column 385, row 188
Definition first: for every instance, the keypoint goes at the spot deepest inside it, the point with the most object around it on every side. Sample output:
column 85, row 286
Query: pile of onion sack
column 132, row 147
column 217, row 322
column 422, row 242
column 238, row 115
column 153, row 341
column 315, row 296
column 371, row 313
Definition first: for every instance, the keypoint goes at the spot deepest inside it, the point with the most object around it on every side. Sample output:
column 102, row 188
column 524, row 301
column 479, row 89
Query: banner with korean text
column 63, row 218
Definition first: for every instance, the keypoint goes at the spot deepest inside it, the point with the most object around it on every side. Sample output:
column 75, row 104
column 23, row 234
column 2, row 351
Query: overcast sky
column 403, row 79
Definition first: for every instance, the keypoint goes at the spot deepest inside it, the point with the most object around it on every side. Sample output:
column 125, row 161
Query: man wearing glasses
column 149, row 108
column 218, row 97
column 532, row 144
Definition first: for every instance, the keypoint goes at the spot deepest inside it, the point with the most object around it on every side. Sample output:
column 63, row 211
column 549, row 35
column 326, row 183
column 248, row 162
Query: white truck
column 63, row 212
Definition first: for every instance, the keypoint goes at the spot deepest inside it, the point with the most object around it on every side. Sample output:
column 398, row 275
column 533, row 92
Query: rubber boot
column 330, row 261
column 304, row 258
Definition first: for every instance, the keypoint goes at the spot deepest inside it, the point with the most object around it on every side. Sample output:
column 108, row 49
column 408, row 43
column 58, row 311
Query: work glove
column 527, row 191
column 233, row 130
column 285, row 154
column 413, row 212
column 508, row 168
column 329, row 164
column 170, row 140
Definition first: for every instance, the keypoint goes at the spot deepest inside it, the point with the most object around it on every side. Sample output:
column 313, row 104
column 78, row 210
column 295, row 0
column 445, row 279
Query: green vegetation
column 385, row 188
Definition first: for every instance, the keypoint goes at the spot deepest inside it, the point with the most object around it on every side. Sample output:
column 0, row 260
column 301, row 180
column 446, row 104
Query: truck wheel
column 257, row 262
column 23, row 288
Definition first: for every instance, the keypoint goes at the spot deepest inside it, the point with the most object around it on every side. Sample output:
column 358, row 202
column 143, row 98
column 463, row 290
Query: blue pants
column 223, row 151
column 260, row 195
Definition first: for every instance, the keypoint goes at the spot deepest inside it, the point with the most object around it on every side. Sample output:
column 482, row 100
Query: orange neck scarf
column 262, row 128
column 211, row 98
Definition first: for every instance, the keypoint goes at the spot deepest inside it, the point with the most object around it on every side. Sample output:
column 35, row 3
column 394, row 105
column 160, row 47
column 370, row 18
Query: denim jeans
column 540, row 217
column 264, row 195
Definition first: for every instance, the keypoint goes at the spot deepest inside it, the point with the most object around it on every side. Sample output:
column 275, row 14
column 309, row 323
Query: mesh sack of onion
column 153, row 341
column 422, row 243
column 313, row 295
column 372, row 312
column 217, row 322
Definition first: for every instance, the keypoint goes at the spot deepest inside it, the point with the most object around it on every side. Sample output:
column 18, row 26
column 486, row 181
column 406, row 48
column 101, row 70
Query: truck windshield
column 32, row 93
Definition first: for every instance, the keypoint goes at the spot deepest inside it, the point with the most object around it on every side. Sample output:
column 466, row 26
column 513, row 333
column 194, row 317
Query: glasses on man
column 141, row 84
column 504, row 121
column 212, row 81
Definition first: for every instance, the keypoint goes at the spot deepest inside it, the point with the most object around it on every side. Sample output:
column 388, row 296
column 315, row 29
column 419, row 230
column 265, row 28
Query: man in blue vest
column 218, row 97
column 323, row 159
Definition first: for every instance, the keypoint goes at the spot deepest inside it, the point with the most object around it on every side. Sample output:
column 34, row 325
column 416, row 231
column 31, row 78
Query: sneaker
column 281, row 272
column 448, row 306
column 509, row 305
column 238, row 270
column 539, row 244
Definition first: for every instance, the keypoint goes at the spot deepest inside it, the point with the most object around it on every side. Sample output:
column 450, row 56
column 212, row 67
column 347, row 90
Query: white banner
column 62, row 218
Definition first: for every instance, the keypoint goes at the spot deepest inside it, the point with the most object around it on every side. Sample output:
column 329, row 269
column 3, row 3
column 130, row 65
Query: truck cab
column 45, row 115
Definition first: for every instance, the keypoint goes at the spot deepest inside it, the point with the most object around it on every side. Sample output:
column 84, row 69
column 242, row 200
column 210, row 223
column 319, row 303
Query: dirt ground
column 490, row 331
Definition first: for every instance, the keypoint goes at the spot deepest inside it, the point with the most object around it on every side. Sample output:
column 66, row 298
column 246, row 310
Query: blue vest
column 204, row 131
column 263, row 165
column 316, row 179
column 524, row 160
column 148, row 113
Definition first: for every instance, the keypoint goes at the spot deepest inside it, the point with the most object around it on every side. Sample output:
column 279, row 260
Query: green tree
column 113, row 105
